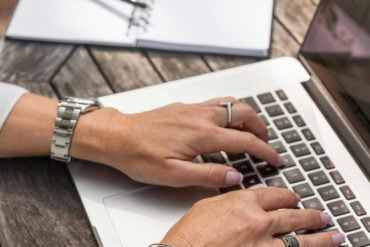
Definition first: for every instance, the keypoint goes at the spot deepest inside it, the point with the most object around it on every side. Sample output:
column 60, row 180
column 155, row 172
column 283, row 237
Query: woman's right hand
column 250, row 218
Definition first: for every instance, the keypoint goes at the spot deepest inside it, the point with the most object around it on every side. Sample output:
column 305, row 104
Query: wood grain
column 125, row 69
column 173, row 66
column 282, row 43
column 295, row 16
column 39, row 205
column 80, row 77
column 31, row 61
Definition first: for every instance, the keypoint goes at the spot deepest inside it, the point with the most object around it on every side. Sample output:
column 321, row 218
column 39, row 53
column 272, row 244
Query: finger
column 217, row 101
column 289, row 220
column 322, row 239
column 235, row 141
column 205, row 174
column 273, row 198
column 244, row 117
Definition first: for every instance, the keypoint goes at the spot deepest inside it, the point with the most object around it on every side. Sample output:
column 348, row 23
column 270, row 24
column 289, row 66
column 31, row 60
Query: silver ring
column 228, row 105
column 290, row 241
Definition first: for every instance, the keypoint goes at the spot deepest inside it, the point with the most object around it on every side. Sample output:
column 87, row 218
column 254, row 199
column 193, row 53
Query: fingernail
column 257, row 186
column 325, row 219
column 298, row 197
column 280, row 161
column 338, row 238
column 233, row 178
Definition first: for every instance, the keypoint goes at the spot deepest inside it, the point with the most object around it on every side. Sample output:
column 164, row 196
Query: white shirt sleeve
column 9, row 95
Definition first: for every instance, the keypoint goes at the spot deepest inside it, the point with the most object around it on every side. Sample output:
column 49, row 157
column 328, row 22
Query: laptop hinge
column 328, row 107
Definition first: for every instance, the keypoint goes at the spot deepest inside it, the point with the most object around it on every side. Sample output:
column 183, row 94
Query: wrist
column 93, row 134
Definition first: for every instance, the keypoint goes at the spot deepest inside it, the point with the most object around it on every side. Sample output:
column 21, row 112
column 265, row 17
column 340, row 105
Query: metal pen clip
column 136, row 3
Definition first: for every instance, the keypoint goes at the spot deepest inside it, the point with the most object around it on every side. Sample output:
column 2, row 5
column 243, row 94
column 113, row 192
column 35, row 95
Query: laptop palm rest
column 153, row 207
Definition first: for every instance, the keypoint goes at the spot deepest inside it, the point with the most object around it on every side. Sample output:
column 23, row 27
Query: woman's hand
column 250, row 218
column 158, row 146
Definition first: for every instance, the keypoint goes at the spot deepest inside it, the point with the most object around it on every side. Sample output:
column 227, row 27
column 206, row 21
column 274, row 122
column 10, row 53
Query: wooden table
column 39, row 205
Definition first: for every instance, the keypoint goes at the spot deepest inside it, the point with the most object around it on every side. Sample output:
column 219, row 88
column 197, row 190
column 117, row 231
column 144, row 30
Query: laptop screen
column 337, row 47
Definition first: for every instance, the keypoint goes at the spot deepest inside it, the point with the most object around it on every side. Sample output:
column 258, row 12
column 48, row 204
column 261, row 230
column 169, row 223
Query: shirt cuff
column 9, row 95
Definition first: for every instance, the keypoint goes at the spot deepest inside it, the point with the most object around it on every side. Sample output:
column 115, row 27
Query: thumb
column 206, row 174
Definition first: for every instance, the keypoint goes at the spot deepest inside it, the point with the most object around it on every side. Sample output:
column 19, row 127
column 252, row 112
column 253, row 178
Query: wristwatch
column 69, row 110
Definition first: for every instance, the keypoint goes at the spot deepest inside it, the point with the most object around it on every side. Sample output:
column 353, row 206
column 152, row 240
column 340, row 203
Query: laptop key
column 274, row 110
column 326, row 161
column 309, row 164
column 244, row 167
column 276, row 182
column 293, row 176
column 300, row 150
column 318, row 178
column 256, row 160
column 236, row 157
column 308, row 134
column 366, row 223
column 337, row 177
column 348, row 223
column 282, row 123
column 271, row 134
column 313, row 203
column 357, row 207
column 317, row 148
column 328, row 193
column 347, row 192
column 278, row 146
column 289, row 107
column 291, row 136
column 265, row 121
column 359, row 239
column 266, row 98
column 338, row 208
column 252, row 103
column 214, row 158
column 281, row 94
column 287, row 161
column 251, row 180
column 299, row 121
column 303, row 190
column 267, row 170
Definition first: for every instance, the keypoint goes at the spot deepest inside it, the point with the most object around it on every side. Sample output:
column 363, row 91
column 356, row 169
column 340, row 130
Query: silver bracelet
column 69, row 110
column 160, row 245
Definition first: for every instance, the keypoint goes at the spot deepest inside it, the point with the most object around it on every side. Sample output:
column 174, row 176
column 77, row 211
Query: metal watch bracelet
column 69, row 110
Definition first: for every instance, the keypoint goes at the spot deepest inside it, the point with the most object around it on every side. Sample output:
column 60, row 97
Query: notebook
column 316, row 110
column 239, row 27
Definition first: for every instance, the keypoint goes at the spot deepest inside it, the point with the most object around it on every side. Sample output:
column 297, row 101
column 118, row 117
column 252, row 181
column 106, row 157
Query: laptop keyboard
column 307, row 170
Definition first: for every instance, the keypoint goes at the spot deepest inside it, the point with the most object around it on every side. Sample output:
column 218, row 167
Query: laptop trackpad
column 143, row 216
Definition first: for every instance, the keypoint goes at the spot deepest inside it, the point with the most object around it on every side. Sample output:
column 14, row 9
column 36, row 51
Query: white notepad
column 236, row 27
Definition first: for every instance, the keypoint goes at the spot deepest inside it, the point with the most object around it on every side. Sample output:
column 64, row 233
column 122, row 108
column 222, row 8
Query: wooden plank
column 31, row 61
column 282, row 43
column 39, row 205
column 125, row 69
column 40, row 88
column 219, row 62
column 173, row 65
column 80, row 77
column 295, row 16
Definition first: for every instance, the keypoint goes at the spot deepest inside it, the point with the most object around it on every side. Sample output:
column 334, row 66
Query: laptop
column 317, row 111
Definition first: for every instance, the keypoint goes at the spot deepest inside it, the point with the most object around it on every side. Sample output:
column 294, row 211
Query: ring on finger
column 229, row 111
column 290, row 241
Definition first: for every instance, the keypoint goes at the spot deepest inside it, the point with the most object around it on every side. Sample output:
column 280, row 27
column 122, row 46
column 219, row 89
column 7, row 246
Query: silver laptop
column 317, row 111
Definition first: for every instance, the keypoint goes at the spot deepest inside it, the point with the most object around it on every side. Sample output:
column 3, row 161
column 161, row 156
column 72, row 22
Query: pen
column 136, row 3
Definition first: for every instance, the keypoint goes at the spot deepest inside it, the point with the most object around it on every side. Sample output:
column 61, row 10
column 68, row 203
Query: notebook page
column 226, row 26
column 81, row 21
